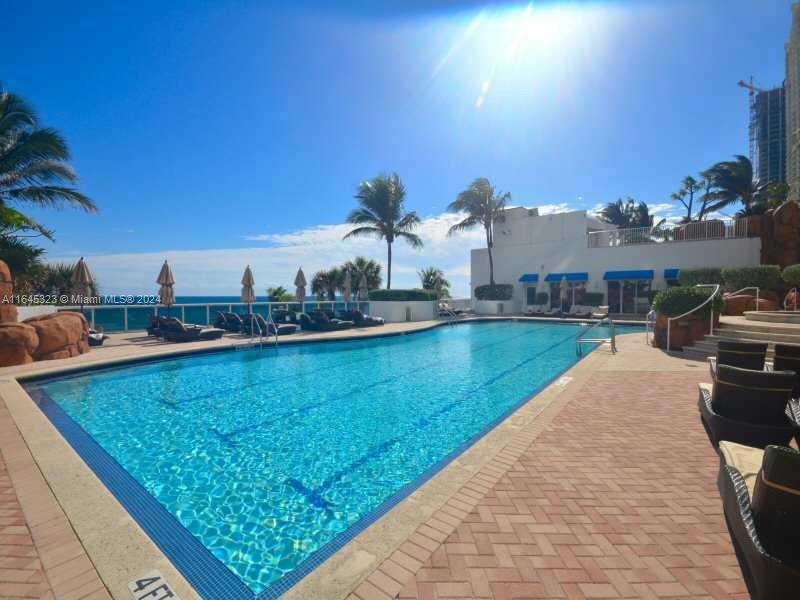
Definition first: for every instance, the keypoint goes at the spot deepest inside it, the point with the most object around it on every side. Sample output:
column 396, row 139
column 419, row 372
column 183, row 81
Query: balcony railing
column 717, row 229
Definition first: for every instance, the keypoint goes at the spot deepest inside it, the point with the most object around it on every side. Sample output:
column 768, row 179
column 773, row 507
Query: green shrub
column 593, row 298
column 415, row 295
column 542, row 298
column 500, row 291
column 765, row 277
column 675, row 301
column 791, row 275
column 691, row 277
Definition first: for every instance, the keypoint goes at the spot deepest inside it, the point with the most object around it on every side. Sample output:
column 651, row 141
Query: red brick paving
column 21, row 574
column 615, row 498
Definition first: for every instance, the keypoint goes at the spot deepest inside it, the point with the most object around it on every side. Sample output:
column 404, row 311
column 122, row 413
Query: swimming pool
column 250, row 468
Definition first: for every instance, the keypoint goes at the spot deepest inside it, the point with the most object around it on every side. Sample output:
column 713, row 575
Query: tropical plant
column 56, row 278
column 413, row 295
column 483, row 207
column 279, row 294
column 733, row 182
column 704, row 276
column 674, row 301
column 323, row 285
column 434, row 279
column 690, row 187
column 382, row 214
column 25, row 262
column 765, row 277
column 791, row 275
column 33, row 160
column 501, row 291
column 627, row 214
column 361, row 265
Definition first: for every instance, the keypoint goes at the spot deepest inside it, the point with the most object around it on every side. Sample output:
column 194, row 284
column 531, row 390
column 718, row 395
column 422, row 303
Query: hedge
column 691, row 277
column 593, row 298
column 765, row 277
column 414, row 295
column 500, row 291
column 542, row 298
column 791, row 274
column 675, row 301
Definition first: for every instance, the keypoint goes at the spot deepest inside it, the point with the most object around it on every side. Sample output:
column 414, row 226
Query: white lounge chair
column 600, row 313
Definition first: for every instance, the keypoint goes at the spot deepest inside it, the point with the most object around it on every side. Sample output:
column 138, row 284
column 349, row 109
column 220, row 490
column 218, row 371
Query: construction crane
column 753, row 129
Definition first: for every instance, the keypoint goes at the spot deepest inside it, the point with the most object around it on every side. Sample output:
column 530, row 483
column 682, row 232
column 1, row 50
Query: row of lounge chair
column 751, row 413
column 282, row 323
column 576, row 310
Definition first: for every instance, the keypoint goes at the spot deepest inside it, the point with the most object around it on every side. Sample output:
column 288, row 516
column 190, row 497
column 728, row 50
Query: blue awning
column 671, row 273
column 529, row 278
column 620, row 275
column 569, row 276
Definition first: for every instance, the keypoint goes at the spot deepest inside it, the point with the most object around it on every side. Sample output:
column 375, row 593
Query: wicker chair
column 748, row 407
column 787, row 358
column 761, row 499
column 745, row 355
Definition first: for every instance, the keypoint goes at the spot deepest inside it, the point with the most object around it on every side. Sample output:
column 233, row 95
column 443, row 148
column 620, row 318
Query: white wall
column 561, row 246
column 395, row 312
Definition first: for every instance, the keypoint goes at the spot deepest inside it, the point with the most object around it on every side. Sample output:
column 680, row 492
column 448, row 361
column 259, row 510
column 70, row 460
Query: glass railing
column 135, row 318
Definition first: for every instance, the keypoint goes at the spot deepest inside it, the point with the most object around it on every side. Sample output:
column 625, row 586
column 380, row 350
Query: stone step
column 773, row 317
column 739, row 334
column 762, row 327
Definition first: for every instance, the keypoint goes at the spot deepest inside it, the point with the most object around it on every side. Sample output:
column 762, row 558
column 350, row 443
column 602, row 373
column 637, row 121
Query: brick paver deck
column 616, row 498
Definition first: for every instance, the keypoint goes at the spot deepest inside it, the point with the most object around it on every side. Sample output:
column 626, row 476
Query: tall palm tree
column 361, row 265
column 433, row 279
column 483, row 207
column 320, row 284
column 733, row 182
column 382, row 214
column 33, row 167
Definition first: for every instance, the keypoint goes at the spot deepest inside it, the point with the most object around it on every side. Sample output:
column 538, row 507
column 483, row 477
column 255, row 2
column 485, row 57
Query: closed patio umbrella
column 300, row 284
column 564, row 286
column 363, row 289
column 346, row 287
column 248, row 288
column 82, row 281
column 166, row 293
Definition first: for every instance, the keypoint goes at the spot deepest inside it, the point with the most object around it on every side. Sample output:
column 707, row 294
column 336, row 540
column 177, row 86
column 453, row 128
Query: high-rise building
column 768, row 135
column 792, row 86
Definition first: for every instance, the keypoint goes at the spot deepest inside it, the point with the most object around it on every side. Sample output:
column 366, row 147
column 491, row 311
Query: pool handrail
column 717, row 287
column 758, row 291
column 612, row 340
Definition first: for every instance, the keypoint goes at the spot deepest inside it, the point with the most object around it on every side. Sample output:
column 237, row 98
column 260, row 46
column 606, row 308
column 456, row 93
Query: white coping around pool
column 121, row 551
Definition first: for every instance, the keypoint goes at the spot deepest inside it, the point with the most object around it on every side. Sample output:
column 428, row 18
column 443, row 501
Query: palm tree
column 733, row 182
column 361, row 265
column 33, row 167
column 56, row 278
column 434, row 279
column 483, row 207
column 25, row 262
column 320, row 284
column 627, row 214
column 685, row 195
column 279, row 294
column 382, row 214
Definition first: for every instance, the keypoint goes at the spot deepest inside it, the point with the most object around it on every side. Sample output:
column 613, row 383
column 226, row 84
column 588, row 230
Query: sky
column 220, row 134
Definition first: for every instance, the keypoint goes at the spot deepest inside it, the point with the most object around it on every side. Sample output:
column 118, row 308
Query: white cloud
column 549, row 209
column 219, row 271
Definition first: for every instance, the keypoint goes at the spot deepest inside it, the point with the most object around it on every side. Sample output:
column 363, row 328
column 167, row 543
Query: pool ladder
column 611, row 341
column 452, row 317
column 254, row 323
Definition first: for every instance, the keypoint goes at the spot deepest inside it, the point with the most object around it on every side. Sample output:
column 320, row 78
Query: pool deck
column 601, row 486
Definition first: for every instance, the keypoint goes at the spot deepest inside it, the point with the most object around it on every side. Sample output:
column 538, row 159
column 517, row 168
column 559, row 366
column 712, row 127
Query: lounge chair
column 229, row 322
column 536, row 310
column 157, row 325
column 284, row 316
column 760, row 493
column 754, row 408
column 96, row 338
column 745, row 355
column 787, row 358
column 320, row 321
column 255, row 323
column 360, row 319
column 176, row 331
column 578, row 310
column 600, row 313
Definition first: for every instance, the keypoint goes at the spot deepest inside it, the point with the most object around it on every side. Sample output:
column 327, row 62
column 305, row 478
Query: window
column 530, row 295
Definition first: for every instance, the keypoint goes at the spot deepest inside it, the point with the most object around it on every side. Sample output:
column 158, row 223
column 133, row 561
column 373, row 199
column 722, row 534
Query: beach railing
column 112, row 318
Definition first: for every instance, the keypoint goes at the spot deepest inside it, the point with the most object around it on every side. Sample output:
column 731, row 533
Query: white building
column 534, row 253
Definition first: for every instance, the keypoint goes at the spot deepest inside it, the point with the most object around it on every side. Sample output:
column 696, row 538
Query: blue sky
column 218, row 134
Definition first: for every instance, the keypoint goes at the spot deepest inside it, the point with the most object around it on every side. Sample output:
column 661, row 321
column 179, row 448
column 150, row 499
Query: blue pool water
column 267, row 456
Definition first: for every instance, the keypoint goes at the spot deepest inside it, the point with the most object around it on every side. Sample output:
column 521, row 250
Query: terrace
column 717, row 229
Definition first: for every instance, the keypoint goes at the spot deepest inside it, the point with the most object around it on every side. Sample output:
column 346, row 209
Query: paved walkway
column 614, row 498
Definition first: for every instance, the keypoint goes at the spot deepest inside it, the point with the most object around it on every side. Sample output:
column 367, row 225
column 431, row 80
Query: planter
column 683, row 332
column 404, row 311
column 737, row 305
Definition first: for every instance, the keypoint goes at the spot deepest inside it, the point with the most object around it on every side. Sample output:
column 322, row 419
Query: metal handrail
column 717, row 288
column 716, row 229
column 649, row 325
column 794, row 291
column 451, row 315
column 758, row 291
column 581, row 339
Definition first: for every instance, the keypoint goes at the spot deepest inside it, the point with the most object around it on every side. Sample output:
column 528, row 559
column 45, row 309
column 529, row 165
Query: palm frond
column 412, row 238
column 364, row 231
column 51, row 196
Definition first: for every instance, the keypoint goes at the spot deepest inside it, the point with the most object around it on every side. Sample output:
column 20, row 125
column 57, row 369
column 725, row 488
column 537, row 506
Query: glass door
column 615, row 297
column 628, row 297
